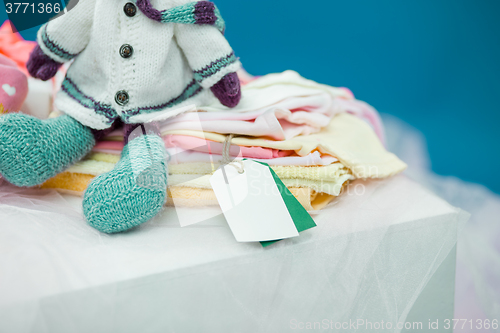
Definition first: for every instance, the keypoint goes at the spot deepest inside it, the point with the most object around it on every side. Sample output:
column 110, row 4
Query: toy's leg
column 134, row 192
column 34, row 150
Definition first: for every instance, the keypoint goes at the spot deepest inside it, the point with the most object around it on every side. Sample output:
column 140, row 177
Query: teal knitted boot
column 133, row 192
column 34, row 150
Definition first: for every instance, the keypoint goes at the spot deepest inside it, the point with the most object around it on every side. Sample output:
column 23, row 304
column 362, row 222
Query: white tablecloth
column 369, row 258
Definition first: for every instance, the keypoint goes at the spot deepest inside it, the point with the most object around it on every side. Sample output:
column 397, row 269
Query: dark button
column 130, row 9
column 121, row 97
column 126, row 51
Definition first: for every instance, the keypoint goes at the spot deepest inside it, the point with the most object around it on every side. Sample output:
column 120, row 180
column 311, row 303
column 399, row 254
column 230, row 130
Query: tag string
column 226, row 158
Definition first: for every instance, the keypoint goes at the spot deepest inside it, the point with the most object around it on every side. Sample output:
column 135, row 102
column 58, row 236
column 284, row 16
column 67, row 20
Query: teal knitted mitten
column 34, row 150
column 133, row 192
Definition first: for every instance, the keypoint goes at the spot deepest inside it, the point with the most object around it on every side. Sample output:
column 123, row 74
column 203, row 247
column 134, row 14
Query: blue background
column 29, row 14
column 434, row 64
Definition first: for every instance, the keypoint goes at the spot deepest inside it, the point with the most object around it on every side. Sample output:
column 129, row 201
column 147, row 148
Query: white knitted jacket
column 158, row 77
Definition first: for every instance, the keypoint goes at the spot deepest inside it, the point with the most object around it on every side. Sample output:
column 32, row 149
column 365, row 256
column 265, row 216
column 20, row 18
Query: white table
column 384, row 251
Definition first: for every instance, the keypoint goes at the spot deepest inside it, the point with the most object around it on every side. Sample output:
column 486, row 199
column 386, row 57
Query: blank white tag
column 252, row 203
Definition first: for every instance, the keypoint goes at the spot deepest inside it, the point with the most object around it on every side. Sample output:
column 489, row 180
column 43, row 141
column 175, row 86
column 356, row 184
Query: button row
column 126, row 51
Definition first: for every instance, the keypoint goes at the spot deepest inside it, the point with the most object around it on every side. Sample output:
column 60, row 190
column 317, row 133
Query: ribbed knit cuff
column 51, row 48
column 212, row 73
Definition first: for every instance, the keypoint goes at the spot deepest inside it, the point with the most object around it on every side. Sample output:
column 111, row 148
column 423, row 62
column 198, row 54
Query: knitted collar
column 198, row 12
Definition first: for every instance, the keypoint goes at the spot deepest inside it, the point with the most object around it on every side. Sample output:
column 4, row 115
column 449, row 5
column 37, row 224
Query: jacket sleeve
column 207, row 51
column 64, row 37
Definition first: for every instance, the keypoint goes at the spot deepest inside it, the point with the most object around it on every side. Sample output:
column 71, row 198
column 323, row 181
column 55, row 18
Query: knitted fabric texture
column 130, row 131
column 133, row 192
column 228, row 90
column 199, row 12
column 101, row 134
column 41, row 66
column 127, row 130
column 172, row 65
column 34, row 150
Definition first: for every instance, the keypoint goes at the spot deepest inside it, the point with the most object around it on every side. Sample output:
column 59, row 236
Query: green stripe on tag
column 299, row 214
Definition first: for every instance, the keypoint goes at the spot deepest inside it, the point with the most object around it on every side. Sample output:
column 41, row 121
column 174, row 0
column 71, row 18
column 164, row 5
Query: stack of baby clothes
column 315, row 137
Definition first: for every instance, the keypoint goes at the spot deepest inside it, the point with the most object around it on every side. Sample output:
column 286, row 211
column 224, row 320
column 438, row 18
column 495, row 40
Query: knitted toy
column 13, row 86
column 131, row 62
